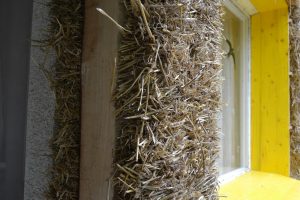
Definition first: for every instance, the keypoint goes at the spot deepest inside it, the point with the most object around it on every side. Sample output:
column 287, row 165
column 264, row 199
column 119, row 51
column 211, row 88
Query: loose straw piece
column 111, row 19
column 142, row 8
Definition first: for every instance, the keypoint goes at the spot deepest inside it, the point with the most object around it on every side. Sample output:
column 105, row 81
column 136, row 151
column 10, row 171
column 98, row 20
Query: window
column 235, row 121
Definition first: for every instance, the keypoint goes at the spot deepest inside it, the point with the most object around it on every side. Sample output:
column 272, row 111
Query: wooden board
column 270, row 92
column 100, row 46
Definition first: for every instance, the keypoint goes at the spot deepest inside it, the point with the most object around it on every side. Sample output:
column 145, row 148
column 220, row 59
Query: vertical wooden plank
column 270, row 92
column 98, row 123
column 255, row 91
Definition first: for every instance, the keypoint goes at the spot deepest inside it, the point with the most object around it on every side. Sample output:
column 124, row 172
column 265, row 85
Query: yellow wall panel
column 268, row 5
column 270, row 92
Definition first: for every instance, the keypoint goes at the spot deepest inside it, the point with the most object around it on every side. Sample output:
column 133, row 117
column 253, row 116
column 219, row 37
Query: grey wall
column 26, row 101
column 15, row 32
column 40, row 111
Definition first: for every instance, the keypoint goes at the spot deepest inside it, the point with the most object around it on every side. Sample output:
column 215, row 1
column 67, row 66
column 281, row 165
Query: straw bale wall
column 295, row 87
column 64, row 35
column 167, row 100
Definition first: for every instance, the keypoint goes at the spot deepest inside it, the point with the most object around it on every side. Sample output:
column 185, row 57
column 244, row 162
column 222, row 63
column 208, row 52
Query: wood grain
column 270, row 150
column 100, row 47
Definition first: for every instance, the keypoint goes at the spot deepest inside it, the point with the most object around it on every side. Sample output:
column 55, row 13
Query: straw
column 65, row 37
column 167, row 100
column 295, row 87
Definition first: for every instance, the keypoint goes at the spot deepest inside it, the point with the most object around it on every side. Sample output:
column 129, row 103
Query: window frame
column 245, row 92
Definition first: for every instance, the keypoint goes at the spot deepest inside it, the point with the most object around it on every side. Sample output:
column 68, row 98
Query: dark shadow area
column 15, row 36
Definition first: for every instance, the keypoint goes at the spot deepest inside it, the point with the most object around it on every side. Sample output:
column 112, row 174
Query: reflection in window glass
column 231, row 118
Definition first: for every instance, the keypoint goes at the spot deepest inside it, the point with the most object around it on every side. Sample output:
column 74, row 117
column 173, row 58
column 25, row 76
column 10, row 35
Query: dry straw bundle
column 295, row 87
column 65, row 37
column 167, row 100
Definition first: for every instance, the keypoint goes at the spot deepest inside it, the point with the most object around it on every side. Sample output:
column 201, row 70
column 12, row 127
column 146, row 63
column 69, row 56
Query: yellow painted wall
column 268, row 5
column 261, row 186
column 270, row 92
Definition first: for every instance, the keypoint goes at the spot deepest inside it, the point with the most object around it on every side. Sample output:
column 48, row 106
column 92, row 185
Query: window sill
column 260, row 186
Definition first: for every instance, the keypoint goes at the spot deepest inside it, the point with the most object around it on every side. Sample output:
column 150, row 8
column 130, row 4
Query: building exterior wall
column 15, row 34
column 40, row 110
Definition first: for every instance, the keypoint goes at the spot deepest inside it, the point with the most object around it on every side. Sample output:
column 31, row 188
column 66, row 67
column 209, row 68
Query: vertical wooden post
column 100, row 47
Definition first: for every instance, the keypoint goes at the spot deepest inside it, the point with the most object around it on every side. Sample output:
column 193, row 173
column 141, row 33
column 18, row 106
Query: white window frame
column 243, row 14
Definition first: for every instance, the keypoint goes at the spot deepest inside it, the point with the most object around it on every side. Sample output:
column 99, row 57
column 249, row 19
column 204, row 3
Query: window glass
column 231, row 116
